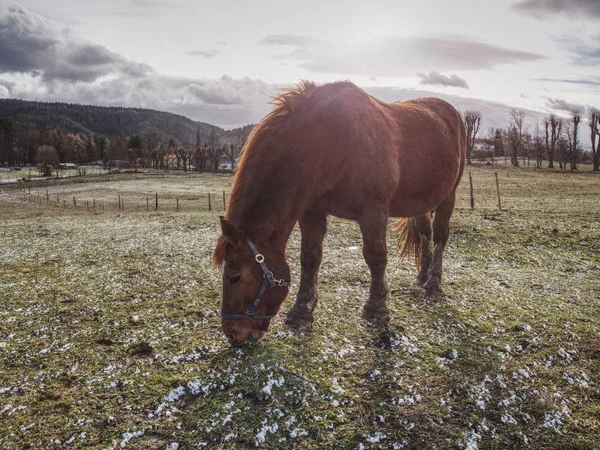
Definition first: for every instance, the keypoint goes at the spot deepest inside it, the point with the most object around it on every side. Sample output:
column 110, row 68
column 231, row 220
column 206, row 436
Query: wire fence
column 43, row 198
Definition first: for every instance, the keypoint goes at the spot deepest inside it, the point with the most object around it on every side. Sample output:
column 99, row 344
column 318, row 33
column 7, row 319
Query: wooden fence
column 217, row 201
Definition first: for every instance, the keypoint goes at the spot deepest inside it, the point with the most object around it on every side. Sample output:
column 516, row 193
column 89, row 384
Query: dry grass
column 508, row 359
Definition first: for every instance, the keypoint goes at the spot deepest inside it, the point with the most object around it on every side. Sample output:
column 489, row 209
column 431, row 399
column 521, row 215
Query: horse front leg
column 374, row 228
column 313, row 226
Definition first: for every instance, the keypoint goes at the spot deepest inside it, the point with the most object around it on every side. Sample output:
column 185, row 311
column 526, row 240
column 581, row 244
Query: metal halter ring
column 259, row 258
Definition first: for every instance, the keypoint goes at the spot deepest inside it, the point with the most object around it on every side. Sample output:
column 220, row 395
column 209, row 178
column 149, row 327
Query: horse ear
column 230, row 232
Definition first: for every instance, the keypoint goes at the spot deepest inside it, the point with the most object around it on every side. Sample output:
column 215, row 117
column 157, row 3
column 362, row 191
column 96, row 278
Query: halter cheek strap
column 268, row 281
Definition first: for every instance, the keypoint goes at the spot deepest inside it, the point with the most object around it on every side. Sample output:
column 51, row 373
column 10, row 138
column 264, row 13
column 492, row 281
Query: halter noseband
column 268, row 281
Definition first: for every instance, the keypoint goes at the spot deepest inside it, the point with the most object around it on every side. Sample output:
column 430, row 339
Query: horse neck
column 274, row 211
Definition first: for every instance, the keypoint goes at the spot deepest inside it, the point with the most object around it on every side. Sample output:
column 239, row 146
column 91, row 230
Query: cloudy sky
column 220, row 63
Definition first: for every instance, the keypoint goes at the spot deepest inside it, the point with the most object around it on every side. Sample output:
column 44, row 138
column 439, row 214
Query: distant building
column 225, row 163
column 66, row 166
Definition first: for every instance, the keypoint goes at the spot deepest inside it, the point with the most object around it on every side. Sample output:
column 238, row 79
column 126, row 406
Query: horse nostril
column 230, row 337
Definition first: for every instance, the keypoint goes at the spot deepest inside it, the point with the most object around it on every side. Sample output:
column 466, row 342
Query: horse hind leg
column 441, row 231
column 313, row 226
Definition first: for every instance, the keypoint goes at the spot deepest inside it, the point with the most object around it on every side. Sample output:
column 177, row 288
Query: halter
column 268, row 281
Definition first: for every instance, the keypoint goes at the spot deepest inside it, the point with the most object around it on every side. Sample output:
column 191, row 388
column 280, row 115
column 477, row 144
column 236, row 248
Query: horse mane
column 255, row 164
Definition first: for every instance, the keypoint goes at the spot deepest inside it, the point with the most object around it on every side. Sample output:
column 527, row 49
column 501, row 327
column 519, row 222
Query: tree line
column 26, row 143
column 556, row 140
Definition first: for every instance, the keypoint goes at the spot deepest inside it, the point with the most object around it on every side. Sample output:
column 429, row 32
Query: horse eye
column 234, row 280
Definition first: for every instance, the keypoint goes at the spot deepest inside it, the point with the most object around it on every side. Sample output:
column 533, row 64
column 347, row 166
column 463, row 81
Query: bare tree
column 214, row 150
column 184, row 155
column 573, row 140
column 516, row 134
column 538, row 146
column 200, row 157
column 563, row 147
column 553, row 127
column 594, row 116
column 232, row 151
column 214, row 156
column 472, row 120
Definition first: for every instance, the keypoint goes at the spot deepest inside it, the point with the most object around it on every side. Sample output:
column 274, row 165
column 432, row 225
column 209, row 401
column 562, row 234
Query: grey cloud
column 31, row 44
column 287, row 39
column 225, row 91
column 595, row 82
column 4, row 92
column 205, row 53
column 563, row 105
column 546, row 8
column 401, row 56
column 438, row 79
column 582, row 51
column 25, row 40
column 55, row 57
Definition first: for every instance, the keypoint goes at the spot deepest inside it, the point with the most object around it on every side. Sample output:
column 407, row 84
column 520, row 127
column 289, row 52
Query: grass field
column 110, row 338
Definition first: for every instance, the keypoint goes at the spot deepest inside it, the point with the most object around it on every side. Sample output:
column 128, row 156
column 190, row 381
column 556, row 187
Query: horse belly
column 423, row 187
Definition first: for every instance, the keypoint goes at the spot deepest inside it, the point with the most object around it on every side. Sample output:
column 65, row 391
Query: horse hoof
column 296, row 323
column 376, row 315
column 432, row 293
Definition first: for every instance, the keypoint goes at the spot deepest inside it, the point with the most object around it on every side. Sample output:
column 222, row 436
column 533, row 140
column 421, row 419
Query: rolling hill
column 110, row 121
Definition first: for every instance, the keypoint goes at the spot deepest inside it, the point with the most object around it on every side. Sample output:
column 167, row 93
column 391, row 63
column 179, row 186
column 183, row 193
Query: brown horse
column 335, row 150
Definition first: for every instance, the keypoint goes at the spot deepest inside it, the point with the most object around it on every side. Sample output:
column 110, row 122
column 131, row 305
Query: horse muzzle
column 237, row 338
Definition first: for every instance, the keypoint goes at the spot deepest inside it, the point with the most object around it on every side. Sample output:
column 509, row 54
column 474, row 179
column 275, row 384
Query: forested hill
column 109, row 121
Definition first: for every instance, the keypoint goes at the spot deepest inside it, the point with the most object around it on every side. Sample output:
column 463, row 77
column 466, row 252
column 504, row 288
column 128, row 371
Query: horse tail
column 408, row 232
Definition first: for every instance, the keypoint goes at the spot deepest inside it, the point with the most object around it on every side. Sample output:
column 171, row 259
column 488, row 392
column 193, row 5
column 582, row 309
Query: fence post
column 87, row 205
column 156, row 206
column 498, row 191
column 119, row 203
column 94, row 204
column 74, row 202
column 57, row 199
column 47, row 197
column 224, row 204
column 177, row 207
column 472, row 198
column 209, row 204
column 147, row 204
